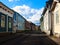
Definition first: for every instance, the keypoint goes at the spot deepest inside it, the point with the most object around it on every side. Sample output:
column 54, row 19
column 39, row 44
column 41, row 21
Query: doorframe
column 11, row 24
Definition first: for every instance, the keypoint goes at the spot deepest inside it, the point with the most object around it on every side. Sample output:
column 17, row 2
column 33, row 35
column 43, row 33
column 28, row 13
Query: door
column 2, row 22
column 9, row 24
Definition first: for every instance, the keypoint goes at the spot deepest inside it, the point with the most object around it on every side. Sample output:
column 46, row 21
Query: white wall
column 57, row 25
column 47, row 22
column 42, row 26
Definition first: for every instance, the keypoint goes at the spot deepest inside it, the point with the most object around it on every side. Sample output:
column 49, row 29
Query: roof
column 45, row 9
column 53, row 6
column 19, row 15
column 48, row 3
column 6, row 6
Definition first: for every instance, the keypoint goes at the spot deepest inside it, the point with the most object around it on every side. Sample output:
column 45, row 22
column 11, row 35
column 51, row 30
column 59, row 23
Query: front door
column 9, row 24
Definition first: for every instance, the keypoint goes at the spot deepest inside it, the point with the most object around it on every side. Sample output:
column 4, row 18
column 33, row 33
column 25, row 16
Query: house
column 19, row 22
column 27, row 25
column 6, row 18
column 55, row 11
column 47, row 23
column 51, row 18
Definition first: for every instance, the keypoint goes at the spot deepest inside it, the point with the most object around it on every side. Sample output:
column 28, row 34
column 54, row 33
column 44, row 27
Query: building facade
column 27, row 25
column 42, row 24
column 6, row 18
column 51, row 18
column 55, row 9
column 19, row 22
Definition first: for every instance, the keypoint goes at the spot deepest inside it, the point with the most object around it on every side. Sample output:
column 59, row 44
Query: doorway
column 9, row 24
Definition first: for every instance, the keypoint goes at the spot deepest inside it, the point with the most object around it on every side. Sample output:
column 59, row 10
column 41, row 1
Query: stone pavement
column 31, row 39
column 5, row 38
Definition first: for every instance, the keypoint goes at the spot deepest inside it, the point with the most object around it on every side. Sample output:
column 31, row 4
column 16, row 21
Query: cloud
column 28, row 13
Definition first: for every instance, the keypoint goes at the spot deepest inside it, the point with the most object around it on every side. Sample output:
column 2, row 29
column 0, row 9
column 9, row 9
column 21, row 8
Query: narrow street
column 29, row 22
column 30, row 38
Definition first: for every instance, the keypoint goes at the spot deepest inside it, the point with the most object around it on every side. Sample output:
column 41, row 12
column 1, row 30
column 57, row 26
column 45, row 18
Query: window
column 2, row 21
column 57, row 17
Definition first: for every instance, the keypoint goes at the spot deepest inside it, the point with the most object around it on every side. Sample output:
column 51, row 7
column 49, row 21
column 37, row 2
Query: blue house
column 19, row 22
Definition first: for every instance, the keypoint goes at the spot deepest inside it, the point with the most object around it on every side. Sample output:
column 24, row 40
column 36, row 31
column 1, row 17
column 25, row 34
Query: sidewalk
column 57, row 40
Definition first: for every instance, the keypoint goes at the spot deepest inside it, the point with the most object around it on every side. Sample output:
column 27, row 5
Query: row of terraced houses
column 11, row 21
column 50, row 20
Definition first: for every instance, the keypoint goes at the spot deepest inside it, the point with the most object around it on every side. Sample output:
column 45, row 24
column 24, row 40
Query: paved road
column 31, row 39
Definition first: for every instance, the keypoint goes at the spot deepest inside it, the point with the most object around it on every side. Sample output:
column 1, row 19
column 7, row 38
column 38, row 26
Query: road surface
column 31, row 38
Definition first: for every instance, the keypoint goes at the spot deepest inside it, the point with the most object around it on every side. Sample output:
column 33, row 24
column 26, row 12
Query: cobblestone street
column 31, row 38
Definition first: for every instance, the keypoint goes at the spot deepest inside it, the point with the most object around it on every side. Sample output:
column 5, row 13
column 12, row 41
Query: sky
column 31, row 10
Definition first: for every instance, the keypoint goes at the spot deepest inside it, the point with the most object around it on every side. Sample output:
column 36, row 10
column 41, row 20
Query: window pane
column 2, row 21
column 10, row 23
